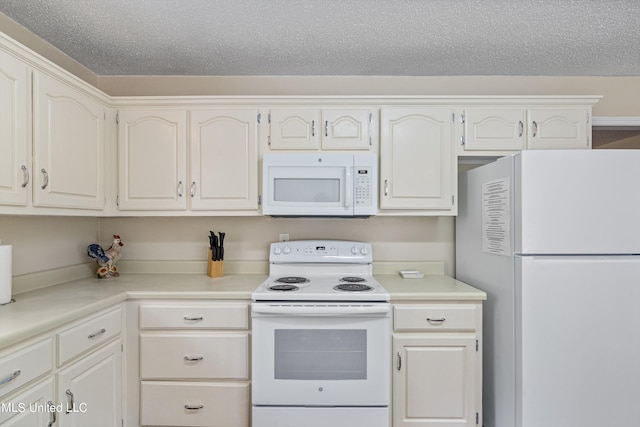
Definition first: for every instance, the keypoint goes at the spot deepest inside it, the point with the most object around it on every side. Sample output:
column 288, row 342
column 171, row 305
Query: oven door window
column 320, row 354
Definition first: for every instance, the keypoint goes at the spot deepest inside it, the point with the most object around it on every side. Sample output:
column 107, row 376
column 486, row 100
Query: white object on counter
column 411, row 274
column 5, row 274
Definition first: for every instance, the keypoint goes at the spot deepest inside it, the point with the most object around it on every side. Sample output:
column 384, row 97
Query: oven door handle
column 321, row 310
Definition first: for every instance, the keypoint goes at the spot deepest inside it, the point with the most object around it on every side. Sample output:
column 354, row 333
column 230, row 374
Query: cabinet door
column 152, row 160
column 90, row 390
column 295, row 129
column 33, row 407
column 416, row 167
column 559, row 128
column 494, row 129
column 347, row 129
column 224, row 159
column 434, row 380
column 68, row 146
column 14, row 144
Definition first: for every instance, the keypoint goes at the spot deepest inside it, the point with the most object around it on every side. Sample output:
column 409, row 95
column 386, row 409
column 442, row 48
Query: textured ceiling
column 340, row 37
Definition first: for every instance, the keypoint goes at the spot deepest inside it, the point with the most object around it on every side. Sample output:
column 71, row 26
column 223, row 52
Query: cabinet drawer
column 89, row 334
column 21, row 366
column 194, row 404
column 195, row 316
column 434, row 317
column 186, row 356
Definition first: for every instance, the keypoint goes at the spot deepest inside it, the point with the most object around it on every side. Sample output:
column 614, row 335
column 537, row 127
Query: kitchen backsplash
column 42, row 243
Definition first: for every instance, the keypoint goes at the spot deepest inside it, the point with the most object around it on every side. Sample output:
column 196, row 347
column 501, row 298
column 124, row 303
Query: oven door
column 333, row 354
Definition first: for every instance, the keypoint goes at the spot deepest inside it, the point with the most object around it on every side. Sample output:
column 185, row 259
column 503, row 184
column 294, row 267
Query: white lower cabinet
column 83, row 388
column 89, row 389
column 437, row 365
column 32, row 407
column 193, row 363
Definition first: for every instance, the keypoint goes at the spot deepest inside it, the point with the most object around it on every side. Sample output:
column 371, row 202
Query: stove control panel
column 312, row 251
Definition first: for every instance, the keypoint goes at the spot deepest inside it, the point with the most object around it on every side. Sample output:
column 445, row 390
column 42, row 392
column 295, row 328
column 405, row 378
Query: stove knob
column 354, row 250
column 277, row 250
column 364, row 250
column 287, row 249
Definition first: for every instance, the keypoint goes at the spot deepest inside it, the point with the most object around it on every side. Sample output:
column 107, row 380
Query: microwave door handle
column 348, row 192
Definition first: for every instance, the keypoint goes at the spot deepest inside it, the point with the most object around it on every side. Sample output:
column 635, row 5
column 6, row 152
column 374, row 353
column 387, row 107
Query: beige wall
column 248, row 238
column 43, row 243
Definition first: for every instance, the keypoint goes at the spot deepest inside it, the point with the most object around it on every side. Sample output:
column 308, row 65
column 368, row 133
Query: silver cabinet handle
column 520, row 129
column 192, row 189
column 70, row 400
column 193, row 407
column 535, row 128
column 438, row 321
column 97, row 333
column 193, row 318
column 399, row 366
column 45, row 177
column 25, row 171
column 313, row 128
column 326, row 128
column 179, row 188
column 193, row 358
column 53, row 414
column 10, row 378
column 386, row 187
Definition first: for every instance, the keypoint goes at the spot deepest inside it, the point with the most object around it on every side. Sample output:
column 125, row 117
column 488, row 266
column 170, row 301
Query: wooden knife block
column 214, row 268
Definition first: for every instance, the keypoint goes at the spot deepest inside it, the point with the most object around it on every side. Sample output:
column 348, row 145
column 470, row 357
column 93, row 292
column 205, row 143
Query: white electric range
column 321, row 338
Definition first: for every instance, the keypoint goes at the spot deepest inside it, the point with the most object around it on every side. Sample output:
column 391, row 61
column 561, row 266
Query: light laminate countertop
column 42, row 310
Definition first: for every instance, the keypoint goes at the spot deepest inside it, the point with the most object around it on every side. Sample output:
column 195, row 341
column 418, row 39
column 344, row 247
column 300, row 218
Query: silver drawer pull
column 193, row 407
column 10, row 378
column 97, row 333
column 193, row 319
column 437, row 321
column 193, row 358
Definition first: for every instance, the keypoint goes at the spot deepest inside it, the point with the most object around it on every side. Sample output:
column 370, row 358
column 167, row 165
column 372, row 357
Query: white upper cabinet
column 224, row 159
column 216, row 171
column 152, row 159
column 68, row 146
column 15, row 165
column 495, row 128
column 416, row 167
column 322, row 129
column 564, row 128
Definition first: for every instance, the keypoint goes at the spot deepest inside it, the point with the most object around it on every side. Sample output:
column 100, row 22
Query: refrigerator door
column 577, row 341
column 577, row 202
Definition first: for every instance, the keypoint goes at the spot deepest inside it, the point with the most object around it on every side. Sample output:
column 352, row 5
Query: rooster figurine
column 106, row 259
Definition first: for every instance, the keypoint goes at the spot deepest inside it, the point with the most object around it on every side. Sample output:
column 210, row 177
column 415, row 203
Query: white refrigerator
column 553, row 238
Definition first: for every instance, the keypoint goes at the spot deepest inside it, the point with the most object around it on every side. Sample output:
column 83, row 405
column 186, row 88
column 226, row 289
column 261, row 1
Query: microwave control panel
column 362, row 186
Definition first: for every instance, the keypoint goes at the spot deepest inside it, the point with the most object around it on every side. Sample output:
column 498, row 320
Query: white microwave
column 320, row 184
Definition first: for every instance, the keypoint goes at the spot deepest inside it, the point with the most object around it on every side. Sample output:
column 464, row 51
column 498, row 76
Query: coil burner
column 352, row 287
column 284, row 288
